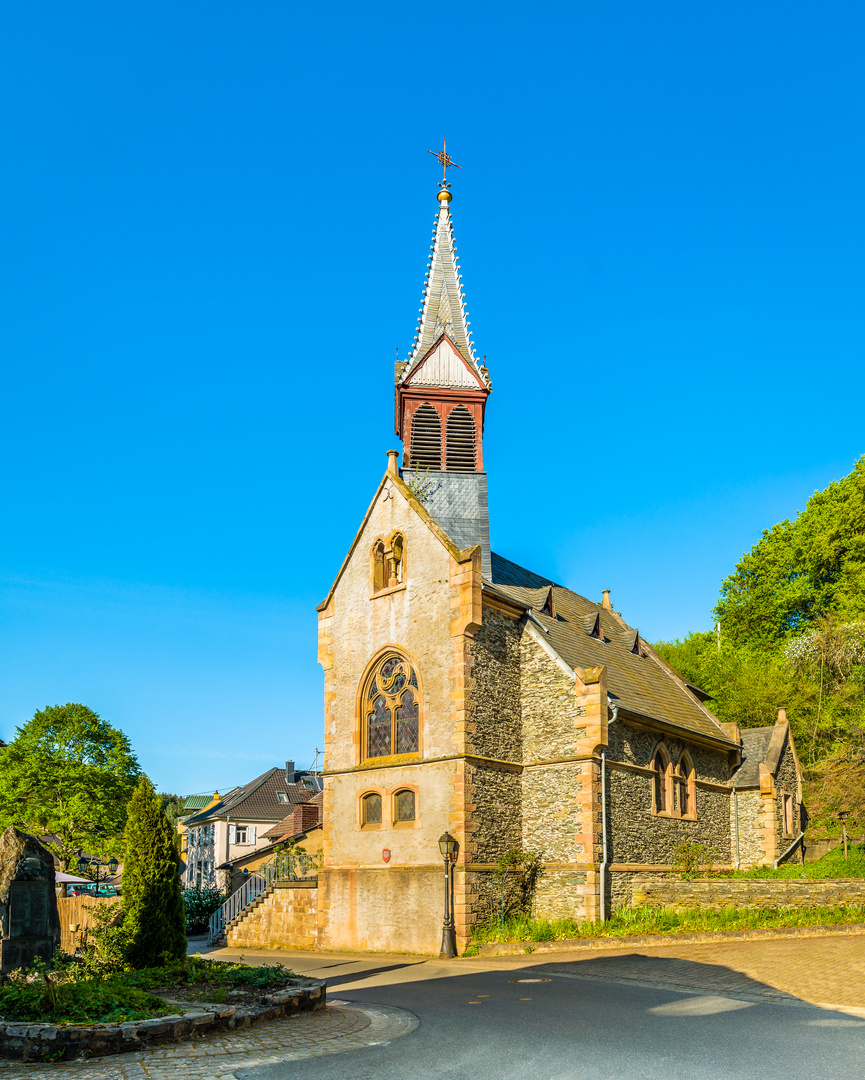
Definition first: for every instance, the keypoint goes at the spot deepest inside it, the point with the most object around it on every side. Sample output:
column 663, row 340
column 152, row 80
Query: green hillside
column 791, row 634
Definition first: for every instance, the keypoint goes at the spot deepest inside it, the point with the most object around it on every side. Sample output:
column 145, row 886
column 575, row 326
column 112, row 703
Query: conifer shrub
column 154, row 917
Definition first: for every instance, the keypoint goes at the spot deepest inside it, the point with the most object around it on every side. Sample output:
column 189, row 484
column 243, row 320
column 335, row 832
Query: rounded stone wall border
column 55, row 1043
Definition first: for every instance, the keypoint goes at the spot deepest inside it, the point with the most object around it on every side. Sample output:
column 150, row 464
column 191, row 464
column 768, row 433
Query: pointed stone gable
column 443, row 311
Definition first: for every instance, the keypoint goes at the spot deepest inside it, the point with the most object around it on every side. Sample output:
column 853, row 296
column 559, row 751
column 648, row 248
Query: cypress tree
column 152, row 897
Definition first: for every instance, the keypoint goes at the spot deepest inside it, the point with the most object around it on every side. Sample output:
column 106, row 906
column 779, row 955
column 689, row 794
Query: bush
column 199, row 905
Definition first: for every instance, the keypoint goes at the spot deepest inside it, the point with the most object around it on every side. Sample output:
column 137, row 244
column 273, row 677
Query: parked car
column 92, row 889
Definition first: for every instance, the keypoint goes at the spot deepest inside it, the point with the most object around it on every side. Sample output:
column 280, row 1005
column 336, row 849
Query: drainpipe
column 604, row 819
column 736, row 820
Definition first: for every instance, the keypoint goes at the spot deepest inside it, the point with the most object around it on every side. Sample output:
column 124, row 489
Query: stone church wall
column 549, row 711
column 635, row 835
column 786, row 783
column 750, row 849
column 496, row 688
column 496, row 818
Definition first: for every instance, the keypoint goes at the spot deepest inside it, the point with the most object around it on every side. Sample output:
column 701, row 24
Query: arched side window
column 426, row 438
column 461, row 454
column 370, row 809
column 391, row 709
column 388, row 562
column 662, row 781
column 379, row 567
column 687, row 788
column 404, row 804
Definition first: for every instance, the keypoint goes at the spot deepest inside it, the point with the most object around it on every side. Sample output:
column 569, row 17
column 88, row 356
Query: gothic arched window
column 687, row 788
column 461, row 455
column 391, row 709
column 379, row 567
column 661, row 780
column 426, row 438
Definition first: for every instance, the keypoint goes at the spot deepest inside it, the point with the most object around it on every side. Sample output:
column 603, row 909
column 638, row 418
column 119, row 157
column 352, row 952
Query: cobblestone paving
column 332, row 1030
column 821, row 971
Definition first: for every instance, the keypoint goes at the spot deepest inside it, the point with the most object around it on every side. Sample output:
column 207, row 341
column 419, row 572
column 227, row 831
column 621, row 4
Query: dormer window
column 548, row 608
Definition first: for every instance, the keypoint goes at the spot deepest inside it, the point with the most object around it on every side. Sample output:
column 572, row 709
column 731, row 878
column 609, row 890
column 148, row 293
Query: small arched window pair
column 404, row 808
column 674, row 790
column 391, row 709
column 388, row 562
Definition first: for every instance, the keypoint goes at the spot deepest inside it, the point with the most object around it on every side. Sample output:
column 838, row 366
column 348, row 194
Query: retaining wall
column 285, row 918
column 714, row 893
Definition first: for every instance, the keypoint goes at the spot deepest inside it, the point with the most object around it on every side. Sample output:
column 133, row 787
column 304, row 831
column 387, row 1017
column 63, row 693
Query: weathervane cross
column 447, row 162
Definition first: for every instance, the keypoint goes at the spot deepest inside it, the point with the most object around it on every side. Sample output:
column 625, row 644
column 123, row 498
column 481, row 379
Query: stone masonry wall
column 496, row 688
column 285, row 919
column 786, row 784
column 750, row 851
column 715, row 893
column 548, row 705
column 553, row 810
column 496, row 818
column 635, row 835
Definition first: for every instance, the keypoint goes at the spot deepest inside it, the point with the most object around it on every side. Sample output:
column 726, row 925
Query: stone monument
column 29, row 923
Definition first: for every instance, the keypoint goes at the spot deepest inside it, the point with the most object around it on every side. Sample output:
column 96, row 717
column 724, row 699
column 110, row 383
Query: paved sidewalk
column 332, row 1030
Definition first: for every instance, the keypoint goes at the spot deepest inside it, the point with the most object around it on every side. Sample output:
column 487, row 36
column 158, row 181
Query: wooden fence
column 76, row 909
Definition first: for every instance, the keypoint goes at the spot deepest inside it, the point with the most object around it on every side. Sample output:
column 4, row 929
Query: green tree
column 800, row 570
column 67, row 777
column 172, row 805
column 153, row 917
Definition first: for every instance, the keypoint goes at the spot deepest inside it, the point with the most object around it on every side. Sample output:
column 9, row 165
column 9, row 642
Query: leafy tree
column 172, row 805
column 801, row 570
column 154, row 917
column 67, row 777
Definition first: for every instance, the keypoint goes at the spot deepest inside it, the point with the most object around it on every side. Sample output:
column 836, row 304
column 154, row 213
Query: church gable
column 444, row 366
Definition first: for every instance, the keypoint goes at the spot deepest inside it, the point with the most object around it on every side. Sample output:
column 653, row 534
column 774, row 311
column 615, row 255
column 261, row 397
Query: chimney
column 305, row 816
column 606, row 601
column 289, row 771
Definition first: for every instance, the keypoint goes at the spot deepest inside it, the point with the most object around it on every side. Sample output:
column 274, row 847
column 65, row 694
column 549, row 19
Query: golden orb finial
column 444, row 197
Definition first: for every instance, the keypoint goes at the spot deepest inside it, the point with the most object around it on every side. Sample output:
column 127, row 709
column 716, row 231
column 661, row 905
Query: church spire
column 443, row 310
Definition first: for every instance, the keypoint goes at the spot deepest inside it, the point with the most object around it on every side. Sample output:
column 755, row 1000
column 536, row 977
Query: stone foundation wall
column 561, row 893
column 285, row 919
column 714, row 893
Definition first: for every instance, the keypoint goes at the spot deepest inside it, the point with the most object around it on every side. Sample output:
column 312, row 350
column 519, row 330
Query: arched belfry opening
column 461, row 456
column 426, row 439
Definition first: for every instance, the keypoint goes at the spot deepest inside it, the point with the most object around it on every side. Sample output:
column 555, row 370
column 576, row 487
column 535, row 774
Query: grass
column 67, row 998
column 646, row 920
column 832, row 865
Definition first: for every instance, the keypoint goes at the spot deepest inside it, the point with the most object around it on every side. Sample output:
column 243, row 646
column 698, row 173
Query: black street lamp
column 449, row 847
column 85, row 865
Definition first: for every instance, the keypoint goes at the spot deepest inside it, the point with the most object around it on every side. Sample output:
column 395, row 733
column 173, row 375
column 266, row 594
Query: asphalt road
column 480, row 1024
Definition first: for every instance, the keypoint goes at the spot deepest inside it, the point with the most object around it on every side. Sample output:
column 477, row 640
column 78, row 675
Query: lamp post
column 85, row 864
column 843, row 815
column 449, row 847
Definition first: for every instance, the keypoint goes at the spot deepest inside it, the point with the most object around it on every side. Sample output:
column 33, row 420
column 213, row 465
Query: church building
column 466, row 694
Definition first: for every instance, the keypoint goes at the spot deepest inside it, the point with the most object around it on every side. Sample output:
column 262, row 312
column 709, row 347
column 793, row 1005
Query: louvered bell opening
column 426, row 439
column 461, row 441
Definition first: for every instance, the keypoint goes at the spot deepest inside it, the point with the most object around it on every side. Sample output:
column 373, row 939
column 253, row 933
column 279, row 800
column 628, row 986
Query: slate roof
column 285, row 827
column 443, row 309
column 640, row 683
column 258, row 800
column 755, row 747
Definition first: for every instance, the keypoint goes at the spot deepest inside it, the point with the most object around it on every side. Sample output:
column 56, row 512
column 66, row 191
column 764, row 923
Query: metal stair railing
column 291, row 866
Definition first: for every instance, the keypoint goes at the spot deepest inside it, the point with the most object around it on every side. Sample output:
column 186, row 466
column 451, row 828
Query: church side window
column 461, row 440
column 661, row 781
column 391, row 709
column 370, row 809
column 687, row 788
column 426, row 438
column 379, row 567
column 404, row 806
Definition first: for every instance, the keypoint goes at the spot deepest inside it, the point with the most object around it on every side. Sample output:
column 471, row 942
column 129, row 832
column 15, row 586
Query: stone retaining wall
column 670, row 890
column 50, row 1042
column 286, row 918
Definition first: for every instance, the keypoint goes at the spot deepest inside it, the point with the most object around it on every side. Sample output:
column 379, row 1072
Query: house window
column 241, row 834
column 370, row 809
column 404, row 806
column 391, row 709
column 661, row 784
column 686, row 787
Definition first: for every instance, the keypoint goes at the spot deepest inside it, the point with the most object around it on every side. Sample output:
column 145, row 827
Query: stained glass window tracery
column 392, row 709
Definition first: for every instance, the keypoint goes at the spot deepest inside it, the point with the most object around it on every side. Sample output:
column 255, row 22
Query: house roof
column 638, row 680
column 258, row 800
column 285, row 827
column 443, row 309
column 196, row 802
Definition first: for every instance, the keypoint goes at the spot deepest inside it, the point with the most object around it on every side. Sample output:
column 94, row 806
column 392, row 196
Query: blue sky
column 215, row 220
